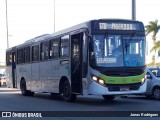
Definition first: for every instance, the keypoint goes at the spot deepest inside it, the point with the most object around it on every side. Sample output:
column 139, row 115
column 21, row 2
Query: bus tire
column 24, row 91
column 30, row 93
column 67, row 94
column 108, row 97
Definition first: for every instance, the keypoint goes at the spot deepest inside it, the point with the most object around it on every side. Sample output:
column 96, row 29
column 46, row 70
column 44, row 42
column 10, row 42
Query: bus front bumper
column 97, row 89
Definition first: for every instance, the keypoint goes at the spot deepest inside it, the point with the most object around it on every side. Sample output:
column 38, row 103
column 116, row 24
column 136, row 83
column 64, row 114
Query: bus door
column 76, row 62
column 14, row 80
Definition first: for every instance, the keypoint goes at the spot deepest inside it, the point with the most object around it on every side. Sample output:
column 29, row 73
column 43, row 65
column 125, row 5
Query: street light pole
column 7, row 23
column 54, row 14
column 133, row 9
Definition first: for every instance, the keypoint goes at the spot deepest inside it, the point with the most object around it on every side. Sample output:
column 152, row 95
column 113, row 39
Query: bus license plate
column 124, row 89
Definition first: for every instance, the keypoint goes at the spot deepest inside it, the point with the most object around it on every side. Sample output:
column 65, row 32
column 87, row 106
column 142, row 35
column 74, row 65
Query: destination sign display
column 117, row 25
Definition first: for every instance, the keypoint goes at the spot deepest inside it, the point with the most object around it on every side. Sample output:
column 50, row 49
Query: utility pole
column 133, row 9
column 54, row 14
column 7, row 23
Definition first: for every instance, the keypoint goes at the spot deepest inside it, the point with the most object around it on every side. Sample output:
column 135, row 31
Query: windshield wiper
column 127, row 43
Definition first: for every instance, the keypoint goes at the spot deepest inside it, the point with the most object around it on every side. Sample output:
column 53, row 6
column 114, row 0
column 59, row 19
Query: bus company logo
column 6, row 114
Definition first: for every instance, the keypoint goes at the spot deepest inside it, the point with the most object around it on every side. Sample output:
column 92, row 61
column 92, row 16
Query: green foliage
column 156, row 47
column 152, row 27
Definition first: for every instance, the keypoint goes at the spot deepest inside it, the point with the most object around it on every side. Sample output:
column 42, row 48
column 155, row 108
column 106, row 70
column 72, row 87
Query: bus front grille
column 123, row 87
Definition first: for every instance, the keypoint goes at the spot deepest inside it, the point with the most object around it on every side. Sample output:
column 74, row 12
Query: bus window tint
column 54, row 51
column 44, row 50
column 27, row 54
column 8, row 58
column 134, row 53
column 35, row 53
column 108, row 50
column 20, row 56
column 64, row 50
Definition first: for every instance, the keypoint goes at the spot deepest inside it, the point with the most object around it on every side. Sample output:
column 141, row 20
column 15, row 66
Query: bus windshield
column 118, row 50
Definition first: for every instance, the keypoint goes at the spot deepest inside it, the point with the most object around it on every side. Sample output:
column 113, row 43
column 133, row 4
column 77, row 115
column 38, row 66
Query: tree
column 153, row 27
column 156, row 46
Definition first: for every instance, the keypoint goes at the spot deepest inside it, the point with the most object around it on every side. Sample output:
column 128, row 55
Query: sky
column 30, row 18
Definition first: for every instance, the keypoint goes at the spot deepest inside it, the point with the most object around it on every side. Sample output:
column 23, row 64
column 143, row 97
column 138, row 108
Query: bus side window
column 44, row 50
column 27, row 54
column 54, row 49
column 35, row 53
column 8, row 58
column 20, row 56
column 64, row 48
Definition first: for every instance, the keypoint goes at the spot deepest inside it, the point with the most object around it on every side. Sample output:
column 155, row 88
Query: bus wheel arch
column 65, row 89
column 23, row 88
column 62, row 80
column 21, row 81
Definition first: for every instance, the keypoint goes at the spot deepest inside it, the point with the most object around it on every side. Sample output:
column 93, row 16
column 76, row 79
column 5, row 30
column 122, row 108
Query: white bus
column 99, row 57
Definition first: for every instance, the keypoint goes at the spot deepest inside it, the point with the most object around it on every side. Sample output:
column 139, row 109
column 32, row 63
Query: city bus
column 99, row 57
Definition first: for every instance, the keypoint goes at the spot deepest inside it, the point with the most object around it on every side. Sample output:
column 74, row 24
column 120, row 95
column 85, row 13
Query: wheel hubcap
column 157, row 93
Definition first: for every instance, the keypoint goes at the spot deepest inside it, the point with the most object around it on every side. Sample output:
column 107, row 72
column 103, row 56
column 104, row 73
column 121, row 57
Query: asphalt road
column 12, row 100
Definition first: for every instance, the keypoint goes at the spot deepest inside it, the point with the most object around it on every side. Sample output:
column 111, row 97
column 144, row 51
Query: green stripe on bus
column 122, row 80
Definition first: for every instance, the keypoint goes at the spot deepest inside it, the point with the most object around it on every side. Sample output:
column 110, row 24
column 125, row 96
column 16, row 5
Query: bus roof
column 86, row 24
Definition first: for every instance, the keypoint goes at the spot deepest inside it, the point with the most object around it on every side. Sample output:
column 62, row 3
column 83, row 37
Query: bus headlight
column 94, row 78
column 98, row 80
column 143, row 80
column 101, row 82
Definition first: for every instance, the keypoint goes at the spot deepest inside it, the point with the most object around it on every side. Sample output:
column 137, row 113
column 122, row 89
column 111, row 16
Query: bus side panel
column 51, row 73
column 9, row 76
column 36, row 83
column 24, row 71
column 56, row 75
column 46, row 76
column 27, row 75
column 64, row 68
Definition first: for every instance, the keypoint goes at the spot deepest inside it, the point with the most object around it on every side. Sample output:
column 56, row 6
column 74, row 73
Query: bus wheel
column 156, row 93
column 24, row 91
column 67, row 95
column 108, row 97
column 23, row 88
column 30, row 93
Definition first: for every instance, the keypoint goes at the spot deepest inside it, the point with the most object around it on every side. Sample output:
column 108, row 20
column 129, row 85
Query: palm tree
column 153, row 27
column 156, row 46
